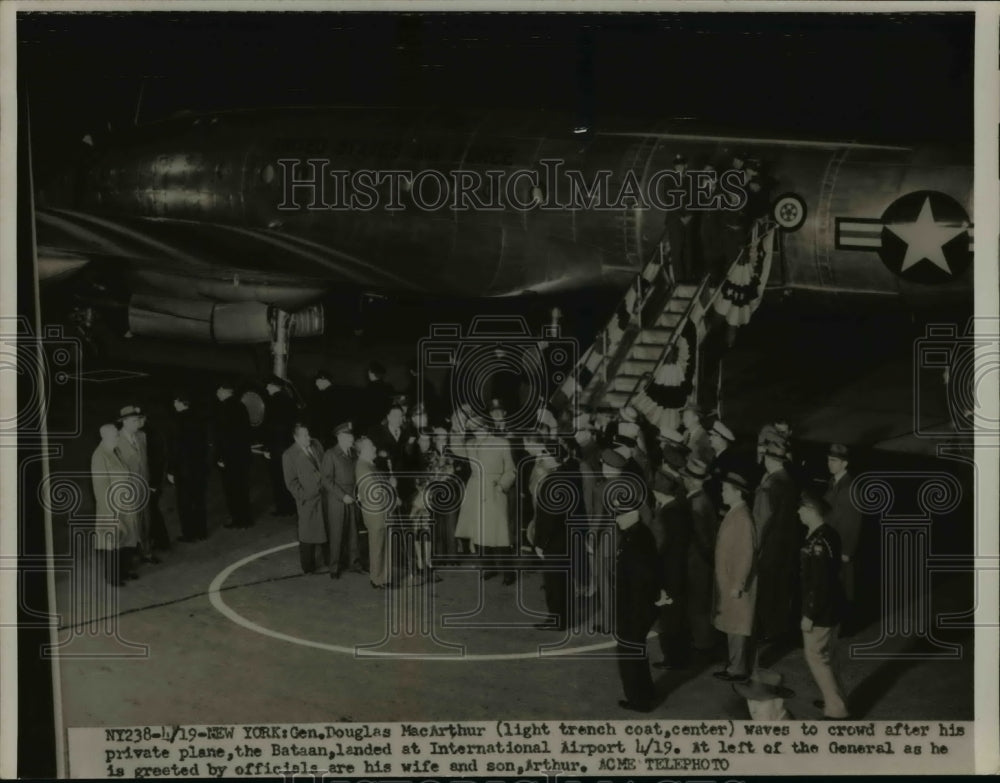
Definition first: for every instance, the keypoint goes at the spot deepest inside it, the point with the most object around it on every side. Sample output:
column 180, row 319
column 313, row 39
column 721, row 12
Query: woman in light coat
column 482, row 518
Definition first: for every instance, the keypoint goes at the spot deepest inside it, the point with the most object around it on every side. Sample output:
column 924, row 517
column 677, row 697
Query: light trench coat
column 483, row 516
column 734, row 556
column 115, row 502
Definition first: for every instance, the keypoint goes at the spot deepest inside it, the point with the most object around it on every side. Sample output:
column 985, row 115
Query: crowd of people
column 726, row 551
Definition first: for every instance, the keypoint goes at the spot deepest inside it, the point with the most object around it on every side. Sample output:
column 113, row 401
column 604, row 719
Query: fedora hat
column 694, row 468
column 129, row 410
column 736, row 480
column 839, row 451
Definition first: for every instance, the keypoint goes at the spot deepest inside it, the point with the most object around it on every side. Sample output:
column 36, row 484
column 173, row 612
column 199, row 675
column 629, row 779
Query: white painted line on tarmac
column 215, row 596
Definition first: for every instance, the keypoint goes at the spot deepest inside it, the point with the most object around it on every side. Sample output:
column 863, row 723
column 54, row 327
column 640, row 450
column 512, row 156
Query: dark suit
column 701, row 570
column 551, row 531
column 232, row 448
column 279, row 418
column 846, row 520
column 187, row 462
column 674, row 520
column 156, row 452
column 338, row 481
column 778, row 539
column 682, row 234
column 325, row 411
column 637, row 587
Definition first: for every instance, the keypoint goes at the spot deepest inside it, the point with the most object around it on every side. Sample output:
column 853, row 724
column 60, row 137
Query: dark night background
column 899, row 78
column 873, row 77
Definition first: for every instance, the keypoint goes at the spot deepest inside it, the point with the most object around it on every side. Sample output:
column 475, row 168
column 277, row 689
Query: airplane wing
column 191, row 258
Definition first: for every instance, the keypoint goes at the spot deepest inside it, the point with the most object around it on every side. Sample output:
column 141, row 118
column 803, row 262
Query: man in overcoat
column 341, row 503
column 119, row 533
column 134, row 452
column 301, row 466
column 735, row 585
column 637, row 588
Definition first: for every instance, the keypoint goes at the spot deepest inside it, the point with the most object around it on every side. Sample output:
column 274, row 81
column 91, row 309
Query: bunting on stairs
column 744, row 286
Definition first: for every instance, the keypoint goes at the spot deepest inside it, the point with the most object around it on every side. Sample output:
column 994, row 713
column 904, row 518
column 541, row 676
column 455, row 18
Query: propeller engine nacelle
column 223, row 323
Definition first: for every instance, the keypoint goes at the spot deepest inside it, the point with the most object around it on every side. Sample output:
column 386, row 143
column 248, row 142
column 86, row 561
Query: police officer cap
column 628, row 428
column 840, row 451
column 671, row 435
column 613, row 459
column 723, row 431
column 344, row 427
column 814, row 500
column 227, row 384
column 129, row 410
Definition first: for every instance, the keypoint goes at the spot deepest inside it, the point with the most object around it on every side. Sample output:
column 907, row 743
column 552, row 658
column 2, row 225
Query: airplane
column 226, row 227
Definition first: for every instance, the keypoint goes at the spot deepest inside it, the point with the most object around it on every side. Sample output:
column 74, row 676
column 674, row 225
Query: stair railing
column 689, row 310
column 587, row 360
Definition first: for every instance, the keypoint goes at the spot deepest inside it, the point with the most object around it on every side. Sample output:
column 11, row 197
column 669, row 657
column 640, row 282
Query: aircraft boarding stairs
column 653, row 314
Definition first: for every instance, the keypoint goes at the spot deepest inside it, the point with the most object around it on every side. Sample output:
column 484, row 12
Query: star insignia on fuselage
column 924, row 237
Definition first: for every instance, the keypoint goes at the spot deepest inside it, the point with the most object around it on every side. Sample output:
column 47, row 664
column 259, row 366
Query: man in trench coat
column 118, row 534
column 735, row 584
column 301, row 465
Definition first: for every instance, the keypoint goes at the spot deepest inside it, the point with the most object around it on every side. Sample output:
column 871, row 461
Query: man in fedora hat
column 301, row 465
column 700, row 555
column 735, row 584
column 821, row 602
column 845, row 518
column 724, row 460
column 279, row 419
column 778, row 541
column 134, row 453
column 337, row 470
column 637, row 589
column 118, row 528
column 765, row 695
column 232, row 453
column 672, row 531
